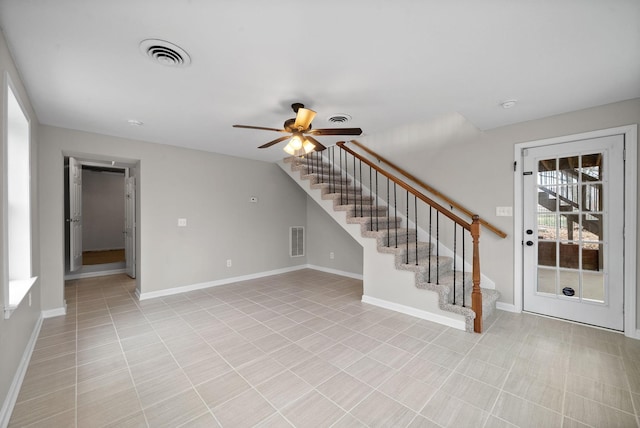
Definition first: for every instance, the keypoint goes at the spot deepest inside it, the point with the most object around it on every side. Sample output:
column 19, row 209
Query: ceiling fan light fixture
column 308, row 146
column 296, row 142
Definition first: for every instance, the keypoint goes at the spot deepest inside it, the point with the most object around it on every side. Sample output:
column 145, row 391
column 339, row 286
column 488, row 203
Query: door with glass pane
column 573, row 238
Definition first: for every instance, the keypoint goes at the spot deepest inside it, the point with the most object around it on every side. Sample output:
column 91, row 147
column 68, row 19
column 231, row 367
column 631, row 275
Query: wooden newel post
column 476, row 294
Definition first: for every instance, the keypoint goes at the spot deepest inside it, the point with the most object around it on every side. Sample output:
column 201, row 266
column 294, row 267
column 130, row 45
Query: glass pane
column 592, row 259
column 569, row 198
column 569, row 255
column 546, row 281
column 593, row 286
column 592, row 227
column 592, row 197
column 569, row 283
column 547, row 172
column 546, row 253
column 546, row 224
column 592, row 167
column 568, row 170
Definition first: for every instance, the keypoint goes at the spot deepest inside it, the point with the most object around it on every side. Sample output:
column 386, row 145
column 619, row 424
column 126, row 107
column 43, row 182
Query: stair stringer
column 383, row 284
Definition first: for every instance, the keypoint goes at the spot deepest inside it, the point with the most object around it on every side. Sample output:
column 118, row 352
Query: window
column 18, row 279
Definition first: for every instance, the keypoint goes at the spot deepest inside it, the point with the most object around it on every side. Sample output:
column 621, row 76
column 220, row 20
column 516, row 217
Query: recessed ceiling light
column 134, row 122
column 509, row 103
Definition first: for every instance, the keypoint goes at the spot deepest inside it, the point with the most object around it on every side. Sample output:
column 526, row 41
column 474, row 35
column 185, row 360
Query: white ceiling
column 386, row 63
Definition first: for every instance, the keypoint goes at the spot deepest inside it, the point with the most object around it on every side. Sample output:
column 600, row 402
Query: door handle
column 529, row 243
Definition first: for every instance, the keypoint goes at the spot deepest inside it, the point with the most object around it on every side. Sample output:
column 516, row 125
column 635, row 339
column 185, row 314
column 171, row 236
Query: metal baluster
column 376, row 199
column 341, row 173
column 415, row 215
column 388, row 214
column 395, row 210
column 360, row 164
column 407, row 230
column 355, row 203
column 437, row 247
column 455, row 227
column 370, row 192
column 430, row 222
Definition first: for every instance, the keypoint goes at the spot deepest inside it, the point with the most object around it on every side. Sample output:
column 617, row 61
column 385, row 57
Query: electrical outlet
column 229, row 263
column 332, row 256
column 182, row 222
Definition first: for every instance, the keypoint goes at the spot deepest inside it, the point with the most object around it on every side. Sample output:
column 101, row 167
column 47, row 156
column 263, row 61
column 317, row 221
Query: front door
column 574, row 224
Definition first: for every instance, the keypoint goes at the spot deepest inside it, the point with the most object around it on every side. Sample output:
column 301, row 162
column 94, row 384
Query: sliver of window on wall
column 18, row 279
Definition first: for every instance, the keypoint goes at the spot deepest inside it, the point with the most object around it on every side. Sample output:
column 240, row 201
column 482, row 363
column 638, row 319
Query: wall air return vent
column 165, row 53
column 296, row 241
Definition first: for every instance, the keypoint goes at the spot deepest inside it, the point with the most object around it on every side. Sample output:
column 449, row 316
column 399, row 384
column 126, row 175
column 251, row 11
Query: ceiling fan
column 302, row 139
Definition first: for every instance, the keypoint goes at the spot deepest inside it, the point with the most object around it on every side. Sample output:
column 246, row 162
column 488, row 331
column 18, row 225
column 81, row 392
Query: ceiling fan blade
column 304, row 118
column 336, row 131
column 319, row 146
column 260, row 127
column 276, row 141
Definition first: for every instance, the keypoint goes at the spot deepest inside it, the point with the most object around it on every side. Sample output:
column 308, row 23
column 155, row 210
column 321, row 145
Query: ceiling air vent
column 165, row 53
column 339, row 118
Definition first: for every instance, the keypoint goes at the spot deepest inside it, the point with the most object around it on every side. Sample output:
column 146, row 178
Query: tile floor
column 300, row 349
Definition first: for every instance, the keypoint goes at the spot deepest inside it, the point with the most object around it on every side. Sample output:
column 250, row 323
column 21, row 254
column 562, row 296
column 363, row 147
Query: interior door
column 574, row 224
column 130, row 225
column 75, row 215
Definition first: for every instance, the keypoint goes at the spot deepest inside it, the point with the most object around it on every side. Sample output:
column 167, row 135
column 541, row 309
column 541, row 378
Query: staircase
column 436, row 274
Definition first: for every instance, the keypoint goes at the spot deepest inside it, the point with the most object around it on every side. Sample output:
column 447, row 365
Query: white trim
column 226, row 281
column 630, row 133
column 192, row 287
column 507, row 307
column 16, row 384
column 449, row 322
column 57, row 312
column 336, row 272
column 94, row 274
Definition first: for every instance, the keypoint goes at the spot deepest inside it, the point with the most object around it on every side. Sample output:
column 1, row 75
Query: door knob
column 529, row 243
column 529, row 232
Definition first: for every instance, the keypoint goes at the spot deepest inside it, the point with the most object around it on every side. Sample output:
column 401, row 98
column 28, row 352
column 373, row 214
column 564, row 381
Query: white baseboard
column 192, row 287
column 336, row 272
column 418, row 313
column 508, row 307
column 50, row 313
column 14, row 388
column 94, row 274
column 226, row 281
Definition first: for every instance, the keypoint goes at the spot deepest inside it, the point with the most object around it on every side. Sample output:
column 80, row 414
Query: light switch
column 182, row 222
column 504, row 211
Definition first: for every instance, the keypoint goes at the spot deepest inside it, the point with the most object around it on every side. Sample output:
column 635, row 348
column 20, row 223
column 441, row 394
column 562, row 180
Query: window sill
column 18, row 289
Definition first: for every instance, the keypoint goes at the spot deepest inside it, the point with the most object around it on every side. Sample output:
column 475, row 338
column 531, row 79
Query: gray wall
column 16, row 331
column 102, row 210
column 211, row 191
column 324, row 236
column 478, row 172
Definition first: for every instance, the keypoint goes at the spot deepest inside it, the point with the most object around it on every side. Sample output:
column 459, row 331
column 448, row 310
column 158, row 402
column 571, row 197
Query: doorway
column 573, row 220
column 576, row 216
column 100, row 218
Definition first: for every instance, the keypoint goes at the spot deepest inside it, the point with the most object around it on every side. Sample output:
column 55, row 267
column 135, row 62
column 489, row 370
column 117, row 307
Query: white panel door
column 130, row 225
column 574, row 224
column 75, row 215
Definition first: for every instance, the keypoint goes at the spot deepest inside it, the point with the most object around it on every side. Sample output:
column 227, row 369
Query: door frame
column 630, row 134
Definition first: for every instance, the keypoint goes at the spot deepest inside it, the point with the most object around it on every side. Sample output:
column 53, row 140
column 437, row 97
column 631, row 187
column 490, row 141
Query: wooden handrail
column 408, row 188
column 431, row 190
column 473, row 228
